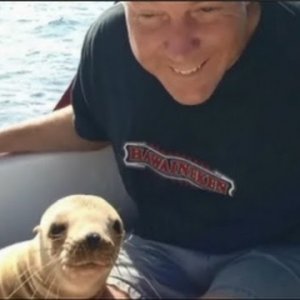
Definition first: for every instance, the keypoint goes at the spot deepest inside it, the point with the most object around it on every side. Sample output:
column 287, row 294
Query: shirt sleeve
column 83, row 92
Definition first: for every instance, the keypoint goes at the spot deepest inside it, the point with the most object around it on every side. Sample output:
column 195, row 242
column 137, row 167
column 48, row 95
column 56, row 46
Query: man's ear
column 36, row 229
column 246, row 5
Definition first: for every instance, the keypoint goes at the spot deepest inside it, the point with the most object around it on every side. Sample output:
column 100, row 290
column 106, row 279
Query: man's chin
column 192, row 99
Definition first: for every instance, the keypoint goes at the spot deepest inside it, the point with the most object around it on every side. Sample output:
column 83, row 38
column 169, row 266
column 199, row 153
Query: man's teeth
column 186, row 72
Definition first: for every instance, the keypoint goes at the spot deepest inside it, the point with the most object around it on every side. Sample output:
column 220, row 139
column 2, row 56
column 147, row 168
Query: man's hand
column 112, row 292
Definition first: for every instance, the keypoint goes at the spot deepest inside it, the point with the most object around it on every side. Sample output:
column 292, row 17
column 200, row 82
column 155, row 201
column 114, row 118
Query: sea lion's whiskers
column 148, row 281
column 84, row 251
column 110, row 259
column 31, row 275
column 48, row 278
column 41, row 250
column 50, row 287
column 56, row 239
column 17, row 287
column 69, row 242
column 72, row 248
column 57, row 292
column 45, row 281
column 43, row 267
column 20, row 276
column 35, row 290
column 118, row 268
column 128, row 238
column 127, row 241
column 145, row 279
column 67, row 246
column 23, row 273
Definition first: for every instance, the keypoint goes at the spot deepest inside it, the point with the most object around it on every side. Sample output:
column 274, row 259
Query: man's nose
column 181, row 42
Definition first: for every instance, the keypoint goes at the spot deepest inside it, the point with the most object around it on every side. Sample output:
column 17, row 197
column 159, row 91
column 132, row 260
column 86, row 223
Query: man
column 200, row 102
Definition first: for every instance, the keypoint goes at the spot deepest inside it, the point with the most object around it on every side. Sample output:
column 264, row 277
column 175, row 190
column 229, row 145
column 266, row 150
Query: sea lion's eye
column 117, row 226
column 57, row 230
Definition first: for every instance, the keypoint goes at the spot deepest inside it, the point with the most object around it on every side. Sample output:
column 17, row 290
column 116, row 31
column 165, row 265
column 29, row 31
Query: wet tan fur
column 34, row 268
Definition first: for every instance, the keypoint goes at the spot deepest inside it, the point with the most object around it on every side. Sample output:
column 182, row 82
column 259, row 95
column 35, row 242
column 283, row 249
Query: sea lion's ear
column 36, row 229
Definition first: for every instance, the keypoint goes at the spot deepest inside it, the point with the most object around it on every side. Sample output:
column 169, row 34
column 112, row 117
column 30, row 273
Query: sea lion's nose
column 93, row 240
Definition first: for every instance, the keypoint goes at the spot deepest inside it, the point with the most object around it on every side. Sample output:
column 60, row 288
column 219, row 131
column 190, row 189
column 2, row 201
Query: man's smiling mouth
column 189, row 71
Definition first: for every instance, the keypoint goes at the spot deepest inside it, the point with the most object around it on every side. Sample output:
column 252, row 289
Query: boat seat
column 31, row 182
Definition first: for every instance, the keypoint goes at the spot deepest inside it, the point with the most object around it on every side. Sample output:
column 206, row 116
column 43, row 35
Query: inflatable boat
column 31, row 182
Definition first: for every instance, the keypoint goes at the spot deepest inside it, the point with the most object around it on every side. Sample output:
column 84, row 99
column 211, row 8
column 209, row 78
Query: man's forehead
column 153, row 3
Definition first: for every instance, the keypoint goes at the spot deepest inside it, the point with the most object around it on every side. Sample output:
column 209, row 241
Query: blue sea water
column 40, row 44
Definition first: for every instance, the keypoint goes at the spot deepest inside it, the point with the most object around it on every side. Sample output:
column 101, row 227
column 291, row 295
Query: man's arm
column 52, row 132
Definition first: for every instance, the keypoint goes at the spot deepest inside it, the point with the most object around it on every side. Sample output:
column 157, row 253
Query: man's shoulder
column 288, row 27
column 289, row 13
column 293, row 7
column 108, row 27
column 111, row 18
column 282, row 24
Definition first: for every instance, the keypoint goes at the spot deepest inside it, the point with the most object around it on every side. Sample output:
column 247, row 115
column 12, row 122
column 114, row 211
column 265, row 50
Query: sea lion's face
column 82, row 235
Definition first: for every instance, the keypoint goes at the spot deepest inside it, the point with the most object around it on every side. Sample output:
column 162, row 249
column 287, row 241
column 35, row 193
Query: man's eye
column 151, row 19
column 148, row 16
column 207, row 9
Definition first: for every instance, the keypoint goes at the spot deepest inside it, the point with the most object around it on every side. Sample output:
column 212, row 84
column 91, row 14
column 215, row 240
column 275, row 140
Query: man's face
column 189, row 45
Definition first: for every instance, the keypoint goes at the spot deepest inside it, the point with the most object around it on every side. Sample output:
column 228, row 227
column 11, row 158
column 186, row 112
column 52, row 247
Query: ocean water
column 40, row 44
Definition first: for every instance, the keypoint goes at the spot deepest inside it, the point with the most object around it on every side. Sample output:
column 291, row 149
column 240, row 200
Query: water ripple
column 38, row 61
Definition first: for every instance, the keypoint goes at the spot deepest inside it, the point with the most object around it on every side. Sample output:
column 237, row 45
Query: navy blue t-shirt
column 219, row 176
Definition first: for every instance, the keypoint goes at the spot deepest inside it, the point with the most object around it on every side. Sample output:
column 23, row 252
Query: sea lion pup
column 71, row 256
